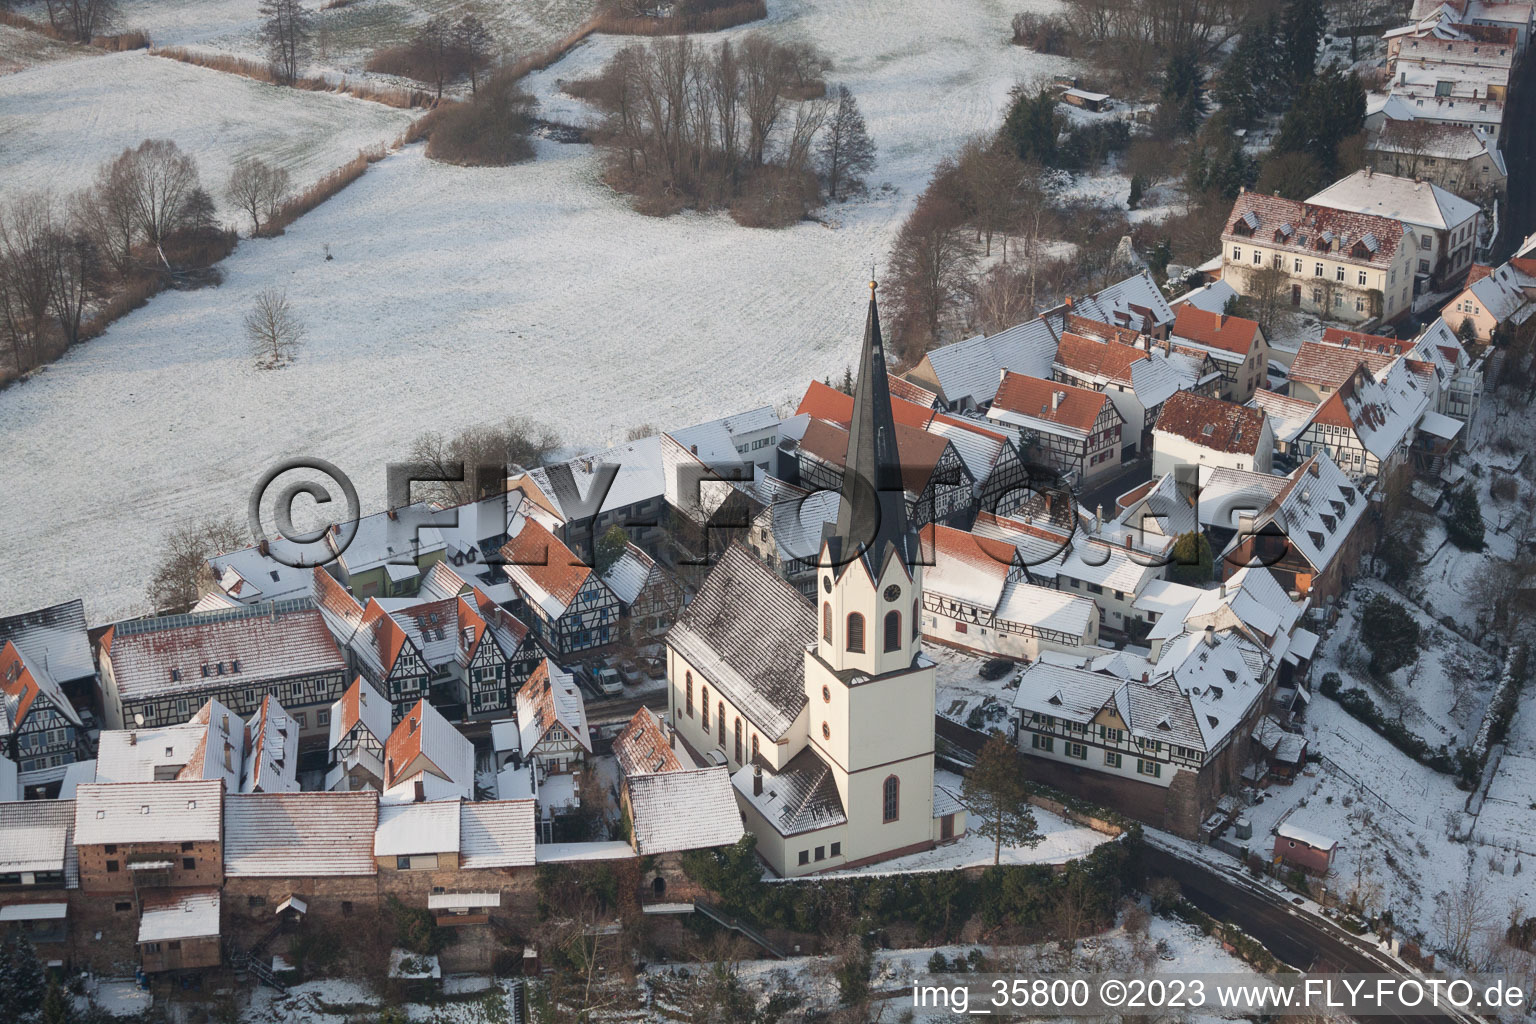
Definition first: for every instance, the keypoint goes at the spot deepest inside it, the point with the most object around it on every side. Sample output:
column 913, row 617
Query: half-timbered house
column 1075, row 430
column 568, row 604
column 360, row 725
column 42, row 729
column 164, row 668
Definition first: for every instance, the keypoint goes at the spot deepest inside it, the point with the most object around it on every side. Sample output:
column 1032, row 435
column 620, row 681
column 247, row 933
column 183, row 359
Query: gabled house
column 1236, row 345
column 1369, row 423
column 427, row 758
column 216, row 744
column 38, row 868
column 1076, row 431
column 786, row 535
column 1196, row 431
column 568, row 604
column 965, row 375
column 1311, row 534
column 1460, row 391
column 671, row 803
column 651, row 597
column 936, row 484
column 1495, row 298
column 360, row 726
column 552, row 722
column 393, row 660
column 55, row 640
column 497, row 652
column 1458, row 158
column 977, row 595
column 1338, row 264
column 1138, row 382
column 164, row 668
column 42, row 730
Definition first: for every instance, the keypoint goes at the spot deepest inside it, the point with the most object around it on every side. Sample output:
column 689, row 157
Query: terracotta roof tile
column 1111, row 360
column 642, row 748
column 539, row 556
column 1331, row 366
column 1298, row 227
column 1212, row 423
column 1215, row 330
column 1061, row 404
column 918, row 450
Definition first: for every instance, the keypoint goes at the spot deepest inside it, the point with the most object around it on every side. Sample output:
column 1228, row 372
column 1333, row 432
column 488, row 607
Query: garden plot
column 63, row 119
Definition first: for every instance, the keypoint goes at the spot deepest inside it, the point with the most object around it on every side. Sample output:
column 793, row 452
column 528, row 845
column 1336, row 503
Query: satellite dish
column 138, row 719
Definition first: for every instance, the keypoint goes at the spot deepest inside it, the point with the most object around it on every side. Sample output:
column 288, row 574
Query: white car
column 609, row 683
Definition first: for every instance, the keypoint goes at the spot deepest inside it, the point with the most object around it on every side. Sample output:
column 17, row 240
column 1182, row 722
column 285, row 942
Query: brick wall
column 97, row 873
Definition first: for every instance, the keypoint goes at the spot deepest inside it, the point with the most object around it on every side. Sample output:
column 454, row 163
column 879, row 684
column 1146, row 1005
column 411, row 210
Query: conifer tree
column 847, row 151
column 995, row 793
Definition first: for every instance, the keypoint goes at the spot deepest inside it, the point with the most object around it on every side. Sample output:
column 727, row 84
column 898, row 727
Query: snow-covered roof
column 248, row 646
column 40, row 833
column 417, row 828
column 272, row 757
column 550, row 697
column 1212, row 298
column 971, row 369
column 54, row 639
column 172, row 914
column 24, row 685
column 1316, row 840
column 288, row 835
column 1317, row 510
column 799, row 518
column 683, row 810
column 1421, row 203
column 426, row 747
column 395, row 540
column 496, row 834
column 548, row 573
column 251, row 574
column 360, row 704
column 1287, row 416
column 148, row 812
column 746, row 631
column 627, row 576
column 800, row 797
column 34, row 912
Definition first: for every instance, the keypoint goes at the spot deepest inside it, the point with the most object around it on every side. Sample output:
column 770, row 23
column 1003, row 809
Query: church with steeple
column 824, row 712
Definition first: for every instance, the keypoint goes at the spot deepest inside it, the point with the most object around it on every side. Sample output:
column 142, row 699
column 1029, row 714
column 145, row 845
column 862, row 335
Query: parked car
column 630, row 672
column 608, row 682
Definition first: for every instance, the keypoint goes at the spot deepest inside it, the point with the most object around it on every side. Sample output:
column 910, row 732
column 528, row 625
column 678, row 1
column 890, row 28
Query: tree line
column 748, row 126
column 146, row 222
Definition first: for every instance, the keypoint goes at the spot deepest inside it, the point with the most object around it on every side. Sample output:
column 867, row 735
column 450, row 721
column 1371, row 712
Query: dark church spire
column 873, row 513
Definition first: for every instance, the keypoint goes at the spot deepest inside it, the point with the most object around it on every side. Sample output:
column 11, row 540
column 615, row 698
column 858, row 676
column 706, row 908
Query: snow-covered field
column 20, row 49
column 456, row 296
column 62, row 119
column 343, row 36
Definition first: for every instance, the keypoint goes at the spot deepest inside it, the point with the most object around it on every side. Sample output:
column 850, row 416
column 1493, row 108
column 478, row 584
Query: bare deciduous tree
column 286, row 29
column 483, row 455
column 81, row 19
column 182, row 574
column 107, row 213
column 258, row 188
column 274, row 329
column 930, row 264
column 434, row 53
column 1461, row 914
column 162, row 187
column 473, row 45
column 847, row 152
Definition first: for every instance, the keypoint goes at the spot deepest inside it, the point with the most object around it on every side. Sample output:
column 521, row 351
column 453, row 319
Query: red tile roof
column 1096, row 329
column 643, row 749
column 830, row 404
column 1212, row 423
column 17, row 683
column 382, row 633
column 546, row 561
column 1062, row 404
column 1215, row 330
column 918, row 450
column 907, row 391
column 1328, row 365
column 1341, row 338
column 1109, row 359
column 404, row 744
column 1298, row 227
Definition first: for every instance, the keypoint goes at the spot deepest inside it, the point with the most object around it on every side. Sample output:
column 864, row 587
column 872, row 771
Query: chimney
column 1056, row 397
column 393, row 514
column 264, row 547
column 757, row 781
column 133, row 738
column 1145, row 677
column 1223, row 589
column 1210, row 636
column 1098, row 518
column 694, row 449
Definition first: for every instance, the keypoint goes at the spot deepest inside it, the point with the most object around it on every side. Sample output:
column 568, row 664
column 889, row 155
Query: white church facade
column 824, row 713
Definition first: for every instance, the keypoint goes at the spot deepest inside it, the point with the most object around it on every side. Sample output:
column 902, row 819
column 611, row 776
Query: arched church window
column 892, row 631
column 892, row 795
column 856, row 633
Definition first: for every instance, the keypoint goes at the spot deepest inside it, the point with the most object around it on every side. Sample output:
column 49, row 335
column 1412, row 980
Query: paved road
column 1293, row 936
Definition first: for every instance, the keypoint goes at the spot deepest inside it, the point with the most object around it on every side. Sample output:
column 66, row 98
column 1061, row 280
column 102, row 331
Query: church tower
column 870, row 687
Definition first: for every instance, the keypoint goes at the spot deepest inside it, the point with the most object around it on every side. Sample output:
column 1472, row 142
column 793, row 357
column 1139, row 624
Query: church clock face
column 826, row 584
column 892, row 592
